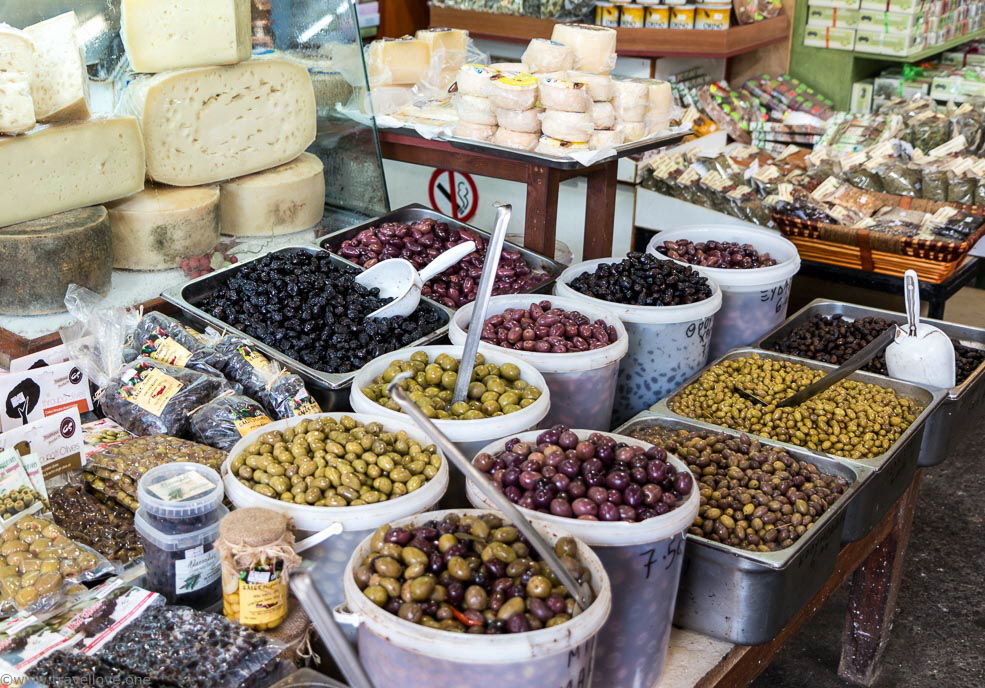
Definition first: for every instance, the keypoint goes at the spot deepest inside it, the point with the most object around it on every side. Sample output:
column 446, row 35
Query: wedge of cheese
column 16, row 75
column 65, row 166
column 60, row 88
column 201, row 126
column 160, row 35
column 285, row 199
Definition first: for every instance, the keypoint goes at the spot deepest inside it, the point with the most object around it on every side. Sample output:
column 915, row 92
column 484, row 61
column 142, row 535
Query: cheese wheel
column 630, row 98
column 515, row 139
column 201, row 126
column 479, row 132
column 513, row 92
column 543, row 55
column 60, row 88
column 397, row 61
column 558, row 148
column 552, row 75
column 16, row 77
column 281, row 200
column 567, row 126
column 473, row 79
column 162, row 225
column 626, row 112
column 603, row 115
column 660, row 97
column 527, row 121
column 475, row 109
column 594, row 47
column 605, row 138
column 511, row 67
column 599, row 85
column 631, row 131
column 560, row 94
column 42, row 257
column 448, row 46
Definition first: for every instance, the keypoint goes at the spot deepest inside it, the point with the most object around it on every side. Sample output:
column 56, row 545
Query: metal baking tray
column 330, row 389
column 416, row 212
column 748, row 597
column 949, row 426
column 894, row 469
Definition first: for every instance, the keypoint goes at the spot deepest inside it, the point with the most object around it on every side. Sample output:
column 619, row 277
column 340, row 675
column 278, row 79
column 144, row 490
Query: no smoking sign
column 454, row 194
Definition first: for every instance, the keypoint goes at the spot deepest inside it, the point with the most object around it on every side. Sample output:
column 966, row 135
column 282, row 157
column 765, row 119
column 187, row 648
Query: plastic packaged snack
column 105, row 526
column 227, row 419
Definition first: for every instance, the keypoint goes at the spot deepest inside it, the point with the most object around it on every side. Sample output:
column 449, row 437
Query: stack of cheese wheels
column 600, row 89
column 514, row 97
column 661, row 102
column 567, row 119
column 476, row 113
column 630, row 101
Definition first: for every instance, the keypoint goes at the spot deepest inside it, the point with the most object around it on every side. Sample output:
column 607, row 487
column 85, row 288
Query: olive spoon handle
column 452, row 453
column 494, row 250
column 912, row 294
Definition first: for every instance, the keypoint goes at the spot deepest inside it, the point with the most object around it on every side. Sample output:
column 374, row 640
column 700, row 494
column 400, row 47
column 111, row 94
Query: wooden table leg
column 540, row 228
column 872, row 602
column 600, row 211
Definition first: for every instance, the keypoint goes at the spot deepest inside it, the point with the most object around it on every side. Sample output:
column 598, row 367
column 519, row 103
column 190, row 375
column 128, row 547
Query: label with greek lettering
column 149, row 388
column 182, row 487
column 256, row 360
column 262, row 603
column 163, row 348
column 303, row 403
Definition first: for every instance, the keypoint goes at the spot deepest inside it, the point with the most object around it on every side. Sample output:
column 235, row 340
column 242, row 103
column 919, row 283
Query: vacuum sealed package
column 901, row 179
column 863, row 178
column 164, row 339
column 961, row 189
column 102, row 524
column 934, row 183
column 896, row 221
column 17, row 491
column 227, row 419
column 951, row 223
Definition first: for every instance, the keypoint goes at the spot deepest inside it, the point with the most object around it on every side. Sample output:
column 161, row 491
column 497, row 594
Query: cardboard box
column 824, row 17
column 877, row 21
column 907, row 6
column 861, row 96
column 835, row 39
column 840, row 4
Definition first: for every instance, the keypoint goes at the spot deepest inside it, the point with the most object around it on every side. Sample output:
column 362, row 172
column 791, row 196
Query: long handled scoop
column 920, row 353
column 399, row 280
column 866, row 354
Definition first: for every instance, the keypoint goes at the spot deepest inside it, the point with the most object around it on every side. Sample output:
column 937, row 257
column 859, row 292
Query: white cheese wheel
column 544, row 55
column 560, row 94
column 567, row 126
column 281, row 200
column 603, row 115
column 605, row 138
column 631, row 131
column 630, row 99
column 473, row 79
column 16, row 77
column 511, row 67
column 42, row 257
column 527, row 121
column 661, row 97
column 66, row 166
column 162, row 225
column 626, row 112
column 201, row 126
column 513, row 92
column 160, row 35
column 448, row 46
column 515, row 139
column 60, row 88
column 599, row 85
column 558, row 148
column 475, row 109
column 479, row 132
column 594, row 46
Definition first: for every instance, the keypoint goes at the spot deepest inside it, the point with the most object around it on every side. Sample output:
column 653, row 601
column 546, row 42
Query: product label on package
column 57, row 440
column 181, row 487
column 149, row 388
column 262, row 603
column 303, row 403
column 30, row 395
column 955, row 145
column 256, row 360
column 197, row 570
column 163, row 348
column 248, row 424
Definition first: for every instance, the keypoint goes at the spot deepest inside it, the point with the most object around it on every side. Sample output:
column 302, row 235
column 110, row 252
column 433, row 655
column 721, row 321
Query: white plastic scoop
column 398, row 279
column 919, row 352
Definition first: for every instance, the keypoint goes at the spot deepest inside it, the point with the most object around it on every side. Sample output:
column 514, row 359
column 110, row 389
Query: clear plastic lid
column 180, row 490
column 177, row 542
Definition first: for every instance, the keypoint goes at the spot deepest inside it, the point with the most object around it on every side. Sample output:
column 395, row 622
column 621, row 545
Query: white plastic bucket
column 667, row 344
column 584, row 380
column 357, row 521
column 400, row 653
column 643, row 561
column 754, row 301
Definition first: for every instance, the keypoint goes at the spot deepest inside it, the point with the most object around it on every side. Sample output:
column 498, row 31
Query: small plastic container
column 657, row 17
column 607, row 14
column 400, row 653
column 667, row 344
column 632, row 17
column 585, row 380
column 178, row 521
column 682, row 17
column 754, row 301
column 643, row 561
column 712, row 17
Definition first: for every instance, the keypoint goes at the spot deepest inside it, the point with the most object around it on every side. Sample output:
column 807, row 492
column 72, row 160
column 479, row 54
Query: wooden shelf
column 924, row 54
column 631, row 42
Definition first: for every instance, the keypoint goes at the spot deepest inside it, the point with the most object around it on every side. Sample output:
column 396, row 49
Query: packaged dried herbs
column 901, row 179
column 934, row 184
column 863, row 178
column 961, row 189
column 227, row 419
column 105, row 526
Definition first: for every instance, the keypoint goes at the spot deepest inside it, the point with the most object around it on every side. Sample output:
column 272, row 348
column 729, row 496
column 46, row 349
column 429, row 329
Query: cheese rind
column 285, row 199
column 60, row 87
column 160, row 35
column 162, row 225
column 16, row 75
column 42, row 257
column 201, row 126
column 66, row 166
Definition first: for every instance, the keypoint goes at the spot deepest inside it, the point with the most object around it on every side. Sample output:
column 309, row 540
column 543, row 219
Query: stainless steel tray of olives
column 893, row 470
column 331, row 389
column 747, row 597
column 948, row 427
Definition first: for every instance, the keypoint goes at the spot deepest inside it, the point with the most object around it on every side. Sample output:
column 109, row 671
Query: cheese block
column 448, row 47
column 42, row 257
column 605, row 138
column 66, row 166
column 473, row 79
column 631, row 131
column 397, row 61
column 160, row 35
column 519, row 120
column 559, row 148
column 543, row 55
column 16, row 76
column 603, row 115
column 511, row 67
column 594, row 46
column 568, row 126
column 285, row 199
column 60, row 88
column 515, row 139
column 204, row 125
column 661, row 97
column 162, row 225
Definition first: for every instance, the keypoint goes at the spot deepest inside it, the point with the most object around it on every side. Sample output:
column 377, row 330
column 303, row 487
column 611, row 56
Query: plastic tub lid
column 179, row 541
column 180, row 490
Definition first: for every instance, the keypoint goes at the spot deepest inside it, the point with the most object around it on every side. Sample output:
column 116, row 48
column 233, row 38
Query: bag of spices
column 935, row 184
column 901, row 179
column 961, row 189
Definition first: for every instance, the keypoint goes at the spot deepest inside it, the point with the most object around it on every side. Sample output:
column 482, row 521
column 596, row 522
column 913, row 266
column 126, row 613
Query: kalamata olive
column 598, row 495
column 608, row 512
column 561, row 507
column 584, row 507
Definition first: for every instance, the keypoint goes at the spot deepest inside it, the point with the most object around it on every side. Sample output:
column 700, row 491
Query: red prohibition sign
column 448, row 189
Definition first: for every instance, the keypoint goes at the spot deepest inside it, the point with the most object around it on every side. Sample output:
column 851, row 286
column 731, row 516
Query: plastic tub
column 667, row 344
column 585, row 380
column 399, row 653
column 356, row 521
column 754, row 301
column 643, row 561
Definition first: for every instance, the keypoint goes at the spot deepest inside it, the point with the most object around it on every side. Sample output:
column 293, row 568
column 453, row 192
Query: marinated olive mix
column 753, row 496
column 495, row 390
column 641, row 279
column 312, row 310
column 716, row 254
column 853, row 419
column 833, row 339
column 598, row 479
column 542, row 328
column 328, row 462
column 471, row 574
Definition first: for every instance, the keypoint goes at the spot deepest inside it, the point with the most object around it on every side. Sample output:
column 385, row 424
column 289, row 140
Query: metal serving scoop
column 920, row 353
